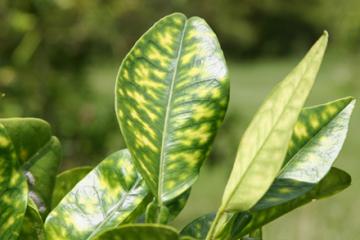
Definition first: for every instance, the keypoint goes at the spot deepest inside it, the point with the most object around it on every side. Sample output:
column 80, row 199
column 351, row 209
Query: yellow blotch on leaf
column 300, row 130
column 202, row 111
column 314, row 121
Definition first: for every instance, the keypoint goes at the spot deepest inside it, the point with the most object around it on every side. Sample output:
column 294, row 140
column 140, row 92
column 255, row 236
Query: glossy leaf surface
column 13, row 189
column 318, row 137
column 264, row 143
column 171, row 96
column 65, row 181
column 33, row 226
column 108, row 196
column 39, row 153
column 141, row 231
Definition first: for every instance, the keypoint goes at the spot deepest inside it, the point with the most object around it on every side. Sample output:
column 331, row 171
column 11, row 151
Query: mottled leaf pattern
column 13, row 189
column 171, row 96
column 336, row 180
column 143, row 231
column 176, row 205
column 264, row 144
column 39, row 153
column 198, row 228
column 108, row 196
column 317, row 140
column 33, row 226
column 65, row 181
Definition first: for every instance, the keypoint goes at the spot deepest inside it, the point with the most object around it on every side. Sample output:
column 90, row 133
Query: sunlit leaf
column 264, row 144
column 171, row 96
column 108, row 196
column 318, row 137
column 13, row 189
column 65, row 181
column 33, row 226
column 39, row 153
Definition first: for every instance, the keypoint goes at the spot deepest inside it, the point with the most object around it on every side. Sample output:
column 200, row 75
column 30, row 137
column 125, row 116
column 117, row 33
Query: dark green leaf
column 39, row 154
column 65, row 181
column 198, row 228
column 108, row 196
column 13, row 189
column 33, row 226
column 176, row 205
column 171, row 96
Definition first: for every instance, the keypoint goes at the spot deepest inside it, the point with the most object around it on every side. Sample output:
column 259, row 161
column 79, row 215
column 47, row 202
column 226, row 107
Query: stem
column 211, row 233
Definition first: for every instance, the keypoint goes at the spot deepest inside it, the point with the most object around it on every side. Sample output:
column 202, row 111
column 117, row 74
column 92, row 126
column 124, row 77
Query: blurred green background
column 59, row 59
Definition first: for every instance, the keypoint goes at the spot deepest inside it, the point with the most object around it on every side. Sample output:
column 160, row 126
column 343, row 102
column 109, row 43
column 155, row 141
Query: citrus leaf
column 176, row 205
column 65, row 181
column 335, row 181
column 33, row 226
column 108, row 196
column 199, row 227
column 171, row 96
column 141, row 231
column 13, row 189
column 318, row 137
column 39, row 153
column 264, row 144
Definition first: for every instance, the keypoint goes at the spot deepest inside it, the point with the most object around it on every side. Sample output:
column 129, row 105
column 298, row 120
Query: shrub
column 172, row 93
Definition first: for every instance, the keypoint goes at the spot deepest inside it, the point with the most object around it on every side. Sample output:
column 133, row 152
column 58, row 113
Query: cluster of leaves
column 172, row 92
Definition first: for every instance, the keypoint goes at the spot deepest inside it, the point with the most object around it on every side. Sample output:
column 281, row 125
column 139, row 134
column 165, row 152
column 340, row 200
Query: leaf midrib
column 301, row 149
column 271, row 130
column 110, row 212
column 167, row 115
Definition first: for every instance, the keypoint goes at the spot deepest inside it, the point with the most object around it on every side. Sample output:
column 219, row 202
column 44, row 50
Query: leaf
column 13, row 189
column 198, row 228
column 33, row 227
column 263, row 146
column 172, row 92
column 317, row 140
column 176, row 205
column 65, row 181
column 141, row 231
column 162, row 214
column 39, row 153
column 335, row 181
column 242, row 223
column 108, row 196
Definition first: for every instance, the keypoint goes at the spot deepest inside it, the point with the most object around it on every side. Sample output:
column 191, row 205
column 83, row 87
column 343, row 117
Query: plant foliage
column 172, row 93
